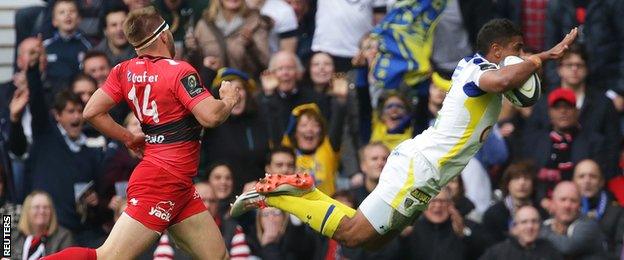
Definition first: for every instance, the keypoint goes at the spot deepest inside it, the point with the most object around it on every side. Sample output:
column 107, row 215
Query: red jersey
column 162, row 92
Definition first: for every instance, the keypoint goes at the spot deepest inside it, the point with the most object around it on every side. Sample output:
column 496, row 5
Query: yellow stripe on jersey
column 476, row 107
column 406, row 187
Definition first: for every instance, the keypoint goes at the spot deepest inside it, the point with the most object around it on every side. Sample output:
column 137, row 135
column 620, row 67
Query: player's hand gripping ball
column 527, row 94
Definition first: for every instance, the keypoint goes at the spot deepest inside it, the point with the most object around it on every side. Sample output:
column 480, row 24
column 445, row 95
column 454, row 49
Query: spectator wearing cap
column 598, row 204
column 556, row 150
column 242, row 140
column 115, row 44
column 595, row 111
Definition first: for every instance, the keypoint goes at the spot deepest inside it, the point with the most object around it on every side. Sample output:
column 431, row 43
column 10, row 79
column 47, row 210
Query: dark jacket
column 64, row 56
column 497, row 220
column 611, row 223
column 602, row 34
column 277, row 109
column 52, row 166
column 510, row 249
column 586, row 145
column 596, row 115
column 439, row 241
column 242, row 142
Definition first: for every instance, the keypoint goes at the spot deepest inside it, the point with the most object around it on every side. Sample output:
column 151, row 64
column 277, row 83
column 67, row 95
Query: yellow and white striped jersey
column 467, row 115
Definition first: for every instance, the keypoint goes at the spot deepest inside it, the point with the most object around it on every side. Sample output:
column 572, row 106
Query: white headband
column 150, row 39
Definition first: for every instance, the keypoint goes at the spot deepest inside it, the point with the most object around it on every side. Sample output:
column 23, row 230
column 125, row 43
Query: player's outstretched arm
column 211, row 112
column 96, row 112
column 514, row 76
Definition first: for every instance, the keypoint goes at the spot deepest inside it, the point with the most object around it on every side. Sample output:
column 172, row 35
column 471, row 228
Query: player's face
column 114, row 29
column 65, row 17
column 40, row 212
column 281, row 163
column 240, row 107
column 526, row 225
column 563, row 116
column 588, row 178
column 84, row 89
column 566, row 205
column 98, row 68
column 572, row 70
column 70, row 119
column 308, row 133
column 512, row 48
column 520, row 188
column 321, row 68
column 373, row 162
column 221, row 180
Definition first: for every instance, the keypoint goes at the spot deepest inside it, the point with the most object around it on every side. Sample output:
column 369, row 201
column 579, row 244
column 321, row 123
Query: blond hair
column 140, row 24
column 24, row 222
column 216, row 7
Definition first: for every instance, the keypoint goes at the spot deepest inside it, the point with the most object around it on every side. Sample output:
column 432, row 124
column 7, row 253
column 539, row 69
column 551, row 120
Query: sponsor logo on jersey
column 154, row 139
column 192, row 85
column 141, row 78
column 162, row 210
column 421, row 196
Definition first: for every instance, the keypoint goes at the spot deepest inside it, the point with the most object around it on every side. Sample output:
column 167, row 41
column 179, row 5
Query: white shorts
column 407, row 183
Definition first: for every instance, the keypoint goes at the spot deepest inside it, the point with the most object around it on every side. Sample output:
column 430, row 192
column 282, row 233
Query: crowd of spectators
column 547, row 184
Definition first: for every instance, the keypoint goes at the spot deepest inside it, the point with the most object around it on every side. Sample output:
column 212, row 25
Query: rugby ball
column 527, row 94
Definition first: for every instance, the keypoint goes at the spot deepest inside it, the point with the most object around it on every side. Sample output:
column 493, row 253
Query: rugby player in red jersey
column 172, row 105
